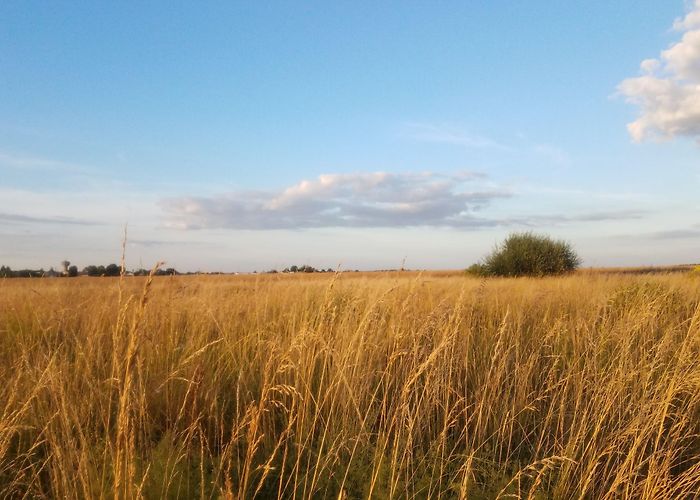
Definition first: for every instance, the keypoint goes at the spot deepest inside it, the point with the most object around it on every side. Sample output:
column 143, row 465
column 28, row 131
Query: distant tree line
column 72, row 271
column 115, row 270
column 302, row 269
column 108, row 270
column 6, row 272
column 170, row 271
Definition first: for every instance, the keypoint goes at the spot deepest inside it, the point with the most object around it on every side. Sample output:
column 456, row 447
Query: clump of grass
column 319, row 386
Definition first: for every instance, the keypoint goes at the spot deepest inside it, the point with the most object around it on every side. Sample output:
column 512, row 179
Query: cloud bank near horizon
column 364, row 200
column 358, row 200
column 668, row 91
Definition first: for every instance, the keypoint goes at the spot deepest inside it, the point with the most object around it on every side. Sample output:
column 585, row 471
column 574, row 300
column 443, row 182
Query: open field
column 391, row 385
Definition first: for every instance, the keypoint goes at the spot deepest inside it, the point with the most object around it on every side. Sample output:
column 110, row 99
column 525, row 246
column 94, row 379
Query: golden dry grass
column 394, row 385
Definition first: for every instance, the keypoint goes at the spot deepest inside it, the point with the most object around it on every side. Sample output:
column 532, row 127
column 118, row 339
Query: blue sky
column 240, row 136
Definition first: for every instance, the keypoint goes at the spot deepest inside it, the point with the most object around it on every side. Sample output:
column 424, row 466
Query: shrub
column 528, row 254
column 477, row 269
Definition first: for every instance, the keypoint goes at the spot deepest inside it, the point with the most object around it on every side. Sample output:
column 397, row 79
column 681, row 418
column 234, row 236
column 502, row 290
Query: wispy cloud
column 10, row 218
column 78, row 207
column 34, row 163
column 445, row 134
column 668, row 91
column 556, row 220
column 692, row 232
column 159, row 243
column 569, row 193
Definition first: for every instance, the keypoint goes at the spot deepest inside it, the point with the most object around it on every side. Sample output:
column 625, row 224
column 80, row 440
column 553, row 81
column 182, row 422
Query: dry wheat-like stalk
column 383, row 385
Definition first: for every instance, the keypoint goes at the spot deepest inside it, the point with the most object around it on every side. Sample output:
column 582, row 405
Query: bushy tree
column 171, row 271
column 92, row 270
column 528, row 254
column 112, row 270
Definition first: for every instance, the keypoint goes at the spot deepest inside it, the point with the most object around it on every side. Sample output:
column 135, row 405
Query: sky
column 240, row 136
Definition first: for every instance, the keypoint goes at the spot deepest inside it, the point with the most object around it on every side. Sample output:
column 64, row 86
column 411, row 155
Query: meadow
column 356, row 385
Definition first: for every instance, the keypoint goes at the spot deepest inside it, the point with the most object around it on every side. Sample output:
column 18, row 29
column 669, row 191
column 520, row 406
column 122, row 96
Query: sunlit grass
column 397, row 385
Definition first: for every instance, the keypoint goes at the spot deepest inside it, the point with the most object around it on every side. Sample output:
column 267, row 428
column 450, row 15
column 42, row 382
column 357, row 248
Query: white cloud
column 668, row 91
column 690, row 21
column 376, row 199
